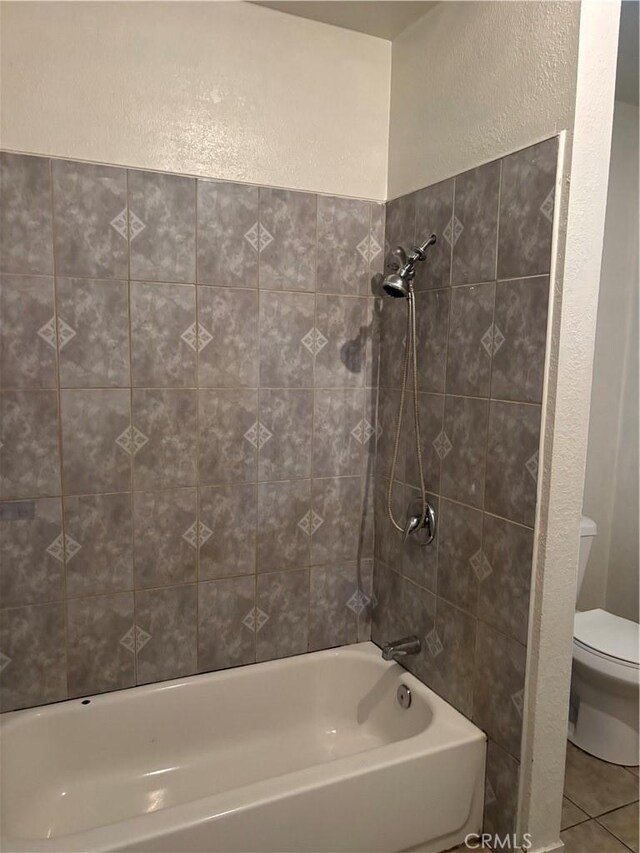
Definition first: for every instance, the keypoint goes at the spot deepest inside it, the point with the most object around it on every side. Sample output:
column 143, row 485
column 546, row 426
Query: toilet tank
column 588, row 529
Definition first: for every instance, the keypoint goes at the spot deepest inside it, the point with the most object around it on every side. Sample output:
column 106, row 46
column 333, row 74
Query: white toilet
column 605, row 679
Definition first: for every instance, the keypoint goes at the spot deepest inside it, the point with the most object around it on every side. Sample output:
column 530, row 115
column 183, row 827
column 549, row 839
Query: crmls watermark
column 487, row 841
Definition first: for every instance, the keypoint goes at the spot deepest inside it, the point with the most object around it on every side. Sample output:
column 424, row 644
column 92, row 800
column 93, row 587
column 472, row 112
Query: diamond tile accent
column 56, row 549
column 48, row 332
column 314, row 341
column 489, row 793
column 131, row 440
column 197, row 534
column 442, row 444
column 258, row 435
column 4, row 661
column 518, row 700
column 71, row 547
column 434, row 643
column 358, row 602
column 255, row 619
column 128, row 229
column 258, row 237
column 532, row 466
column 196, row 337
column 310, row 522
column 546, row 208
column 480, row 565
column 492, row 339
column 453, row 231
column 362, row 431
column 369, row 248
column 135, row 639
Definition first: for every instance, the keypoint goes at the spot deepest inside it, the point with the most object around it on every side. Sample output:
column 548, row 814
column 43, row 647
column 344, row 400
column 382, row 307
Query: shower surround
column 481, row 305
column 187, row 373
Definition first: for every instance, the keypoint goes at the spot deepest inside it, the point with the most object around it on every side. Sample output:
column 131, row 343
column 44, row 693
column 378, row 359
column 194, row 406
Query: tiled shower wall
column 186, row 372
column 481, row 304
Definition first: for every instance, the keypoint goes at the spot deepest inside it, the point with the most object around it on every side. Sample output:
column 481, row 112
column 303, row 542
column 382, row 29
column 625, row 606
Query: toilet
column 605, row 678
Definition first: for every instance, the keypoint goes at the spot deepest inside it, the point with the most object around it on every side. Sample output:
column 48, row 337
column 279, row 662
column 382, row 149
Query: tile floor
column 600, row 805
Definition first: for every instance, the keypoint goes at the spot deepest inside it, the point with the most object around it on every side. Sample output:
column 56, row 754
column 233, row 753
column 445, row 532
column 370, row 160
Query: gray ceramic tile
column 434, row 210
column 168, row 420
column 228, row 545
column 344, row 245
column 98, row 544
column 338, row 503
column 338, row 596
column 342, row 361
column 393, row 333
column 387, row 615
column 597, row 786
column 165, row 248
column 498, row 695
column 32, row 645
column 93, row 333
column 228, row 341
column 501, row 791
column 339, row 433
column 90, row 210
column 471, row 340
column 512, row 461
column 504, row 568
column 288, row 234
column 389, row 401
column 520, row 336
column 419, row 562
column 283, row 598
column 29, row 457
column 286, row 428
column 288, row 340
column 431, row 413
column 226, row 623
column 475, row 224
column 526, row 210
column 623, row 823
column 27, row 332
column 459, row 560
column 400, row 227
column 97, row 441
column 165, row 537
column 167, row 623
column 228, row 234
column 590, row 836
column 448, row 656
column 229, row 436
column 101, row 643
column 432, row 323
column 285, row 521
column 378, row 226
column 462, row 448
column 163, row 335
column 571, row 814
column 372, row 346
column 31, row 553
column 26, row 242
column 388, row 547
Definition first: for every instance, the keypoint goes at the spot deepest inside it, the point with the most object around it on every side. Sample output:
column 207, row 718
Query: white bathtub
column 311, row 753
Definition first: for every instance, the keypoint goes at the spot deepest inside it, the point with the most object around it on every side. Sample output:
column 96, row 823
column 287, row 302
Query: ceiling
column 627, row 72
column 383, row 18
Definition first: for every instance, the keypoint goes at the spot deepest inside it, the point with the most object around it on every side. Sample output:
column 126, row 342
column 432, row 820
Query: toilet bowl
column 605, row 678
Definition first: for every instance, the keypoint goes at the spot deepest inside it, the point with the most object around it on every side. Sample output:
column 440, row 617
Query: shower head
column 397, row 284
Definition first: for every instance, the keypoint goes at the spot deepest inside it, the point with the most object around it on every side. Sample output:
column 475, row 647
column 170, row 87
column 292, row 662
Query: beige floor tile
column 623, row 823
column 590, row 837
column 635, row 770
column 596, row 786
column 571, row 814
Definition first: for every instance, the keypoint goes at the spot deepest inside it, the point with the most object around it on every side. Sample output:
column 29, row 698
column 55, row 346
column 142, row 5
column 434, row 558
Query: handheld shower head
column 397, row 284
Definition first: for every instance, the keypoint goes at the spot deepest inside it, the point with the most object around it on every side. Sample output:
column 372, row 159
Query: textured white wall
column 611, row 487
column 475, row 81
column 224, row 89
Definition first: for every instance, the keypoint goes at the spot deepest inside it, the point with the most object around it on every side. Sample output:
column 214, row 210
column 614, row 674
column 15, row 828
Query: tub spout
column 399, row 648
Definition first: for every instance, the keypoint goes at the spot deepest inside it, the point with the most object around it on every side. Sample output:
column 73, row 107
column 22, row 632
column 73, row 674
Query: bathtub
column 312, row 753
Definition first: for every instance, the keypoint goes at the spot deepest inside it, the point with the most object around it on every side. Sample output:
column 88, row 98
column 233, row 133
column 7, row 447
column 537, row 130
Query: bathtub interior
column 75, row 766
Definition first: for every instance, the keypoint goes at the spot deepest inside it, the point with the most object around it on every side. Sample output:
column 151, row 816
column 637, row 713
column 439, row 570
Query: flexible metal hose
column 410, row 355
